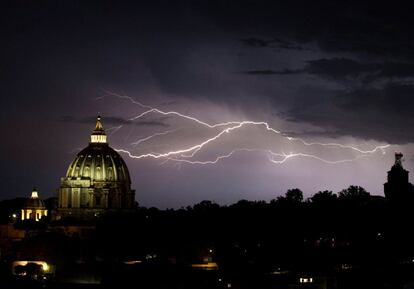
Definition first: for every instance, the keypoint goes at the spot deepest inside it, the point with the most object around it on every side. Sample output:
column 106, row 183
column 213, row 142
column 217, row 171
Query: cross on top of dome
column 98, row 135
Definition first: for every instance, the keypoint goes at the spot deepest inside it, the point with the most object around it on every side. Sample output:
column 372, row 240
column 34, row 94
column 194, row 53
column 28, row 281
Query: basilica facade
column 97, row 181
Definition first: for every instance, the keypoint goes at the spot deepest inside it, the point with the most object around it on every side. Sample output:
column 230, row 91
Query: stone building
column 97, row 181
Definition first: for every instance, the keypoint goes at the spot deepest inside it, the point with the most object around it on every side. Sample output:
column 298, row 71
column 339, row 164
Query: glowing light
column 206, row 266
column 98, row 138
column 45, row 266
column 184, row 155
column 278, row 271
column 132, row 262
column 306, row 280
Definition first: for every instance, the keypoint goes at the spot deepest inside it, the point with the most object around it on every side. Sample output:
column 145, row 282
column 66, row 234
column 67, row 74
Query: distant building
column 96, row 181
column 34, row 208
column 398, row 188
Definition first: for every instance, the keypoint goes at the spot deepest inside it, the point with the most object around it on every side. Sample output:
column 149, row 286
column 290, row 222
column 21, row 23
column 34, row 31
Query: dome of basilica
column 97, row 180
column 99, row 163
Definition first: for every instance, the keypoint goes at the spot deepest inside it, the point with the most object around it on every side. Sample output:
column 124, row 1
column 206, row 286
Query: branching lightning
column 285, row 157
column 114, row 129
column 152, row 136
column 186, row 154
column 271, row 157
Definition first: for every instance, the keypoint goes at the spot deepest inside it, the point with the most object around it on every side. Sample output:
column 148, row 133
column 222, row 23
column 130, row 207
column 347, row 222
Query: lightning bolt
column 152, row 136
column 184, row 155
column 166, row 113
column 114, row 129
column 285, row 157
column 182, row 151
column 271, row 157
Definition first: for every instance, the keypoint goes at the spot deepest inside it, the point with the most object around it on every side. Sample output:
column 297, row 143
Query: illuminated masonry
column 34, row 208
column 96, row 181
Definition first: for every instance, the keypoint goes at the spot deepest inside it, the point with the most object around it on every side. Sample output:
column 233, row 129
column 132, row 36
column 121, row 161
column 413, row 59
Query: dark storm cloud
column 256, row 42
column 343, row 68
column 383, row 114
column 275, row 42
column 273, row 72
column 376, row 103
column 281, row 43
column 347, row 69
column 111, row 120
column 369, row 27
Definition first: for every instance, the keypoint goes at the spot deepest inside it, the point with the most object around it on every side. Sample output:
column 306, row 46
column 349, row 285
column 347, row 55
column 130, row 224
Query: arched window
column 86, row 171
column 110, row 174
column 77, row 171
column 98, row 173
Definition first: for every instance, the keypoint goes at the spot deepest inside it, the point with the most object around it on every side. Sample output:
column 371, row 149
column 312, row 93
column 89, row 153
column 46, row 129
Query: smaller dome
column 34, row 201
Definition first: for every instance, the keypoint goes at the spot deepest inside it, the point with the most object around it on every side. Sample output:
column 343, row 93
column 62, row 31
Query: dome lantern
column 34, row 195
column 98, row 134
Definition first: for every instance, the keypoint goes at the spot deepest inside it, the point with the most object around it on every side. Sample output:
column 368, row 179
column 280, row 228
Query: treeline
column 323, row 231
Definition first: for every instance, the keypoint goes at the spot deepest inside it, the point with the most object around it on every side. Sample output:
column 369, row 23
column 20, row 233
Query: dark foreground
column 349, row 241
column 176, row 277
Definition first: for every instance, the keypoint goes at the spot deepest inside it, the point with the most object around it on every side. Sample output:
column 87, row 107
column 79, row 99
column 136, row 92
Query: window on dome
column 110, row 175
column 77, row 171
column 86, row 172
column 98, row 173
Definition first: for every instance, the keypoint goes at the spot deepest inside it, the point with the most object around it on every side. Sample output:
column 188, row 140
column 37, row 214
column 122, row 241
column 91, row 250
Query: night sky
column 315, row 71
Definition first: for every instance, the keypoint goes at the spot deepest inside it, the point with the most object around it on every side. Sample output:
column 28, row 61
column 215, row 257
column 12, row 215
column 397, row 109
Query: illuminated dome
column 34, row 208
column 99, row 163
column 34, row 202
column 96, row 180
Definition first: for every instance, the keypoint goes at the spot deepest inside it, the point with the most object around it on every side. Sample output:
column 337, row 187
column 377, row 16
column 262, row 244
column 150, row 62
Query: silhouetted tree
column 206, row 205
column 323, row 197
column 355, row 193
column 294, row 195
